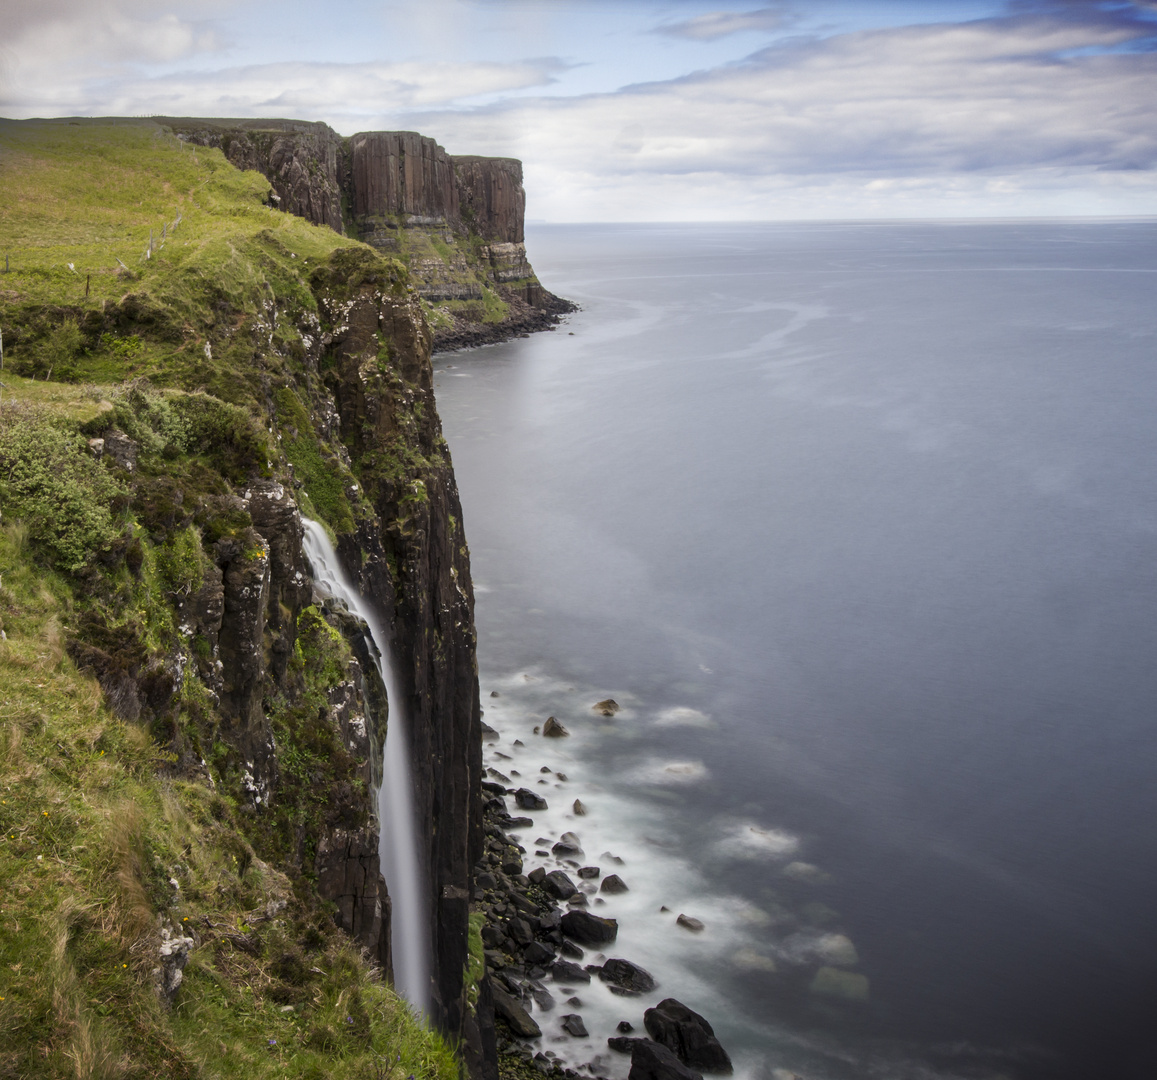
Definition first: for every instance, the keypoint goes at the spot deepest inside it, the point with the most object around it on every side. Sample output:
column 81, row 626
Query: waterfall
column 398, row 846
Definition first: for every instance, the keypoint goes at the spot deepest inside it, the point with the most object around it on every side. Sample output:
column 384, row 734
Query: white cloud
column 717, row 24
column 919, row 118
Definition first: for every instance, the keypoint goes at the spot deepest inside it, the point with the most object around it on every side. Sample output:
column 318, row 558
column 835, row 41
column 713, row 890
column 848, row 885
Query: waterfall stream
column 401, row 866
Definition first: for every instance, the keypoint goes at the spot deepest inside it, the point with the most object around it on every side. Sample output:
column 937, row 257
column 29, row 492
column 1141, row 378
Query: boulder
column 552, row 729
column 559, row 885
column 651, row 1061
column 573, row 1024
column 606, row 707
column 589, row 929
column 686, row 1034
column 579, row 809
column 514, row 1014
column 528, row 800
column 689, row 923
column 589, row 872
column 537, row 876
column 519, row 931
column 565, row 971
column 622, row 1044
column 538, row 953
column 628, row 976
column 612, row 883
column 568, row 846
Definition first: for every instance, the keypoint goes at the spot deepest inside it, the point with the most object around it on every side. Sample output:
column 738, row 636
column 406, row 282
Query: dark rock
column 519, row 823
column 622, row 1044
column 612, row 883
column 579, row 809
column 651, row 1061
column 485, row 881
column 569, row 948
column 589, row 929
column 568, row 846
column 578, row 900
column 519, row 931
column 552, row 729
column 565, row 971
column 511, row 864
column 537, row 953
column 687, row 1034
column 537, row 875
column 689, row 923
column 625, row 1026
column 489, row 733
column 544, row 999
column 628, row 976
column 573, row 1024
column 492, row 937
column 589, row 872
column 622, row 991
column 492, row 788
column 528, row 800
column 606, row 707
column 495, row 693
column 514, row 1014
column 559, row 885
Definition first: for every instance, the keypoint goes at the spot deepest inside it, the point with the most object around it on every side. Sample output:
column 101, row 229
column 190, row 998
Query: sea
column 856, row 523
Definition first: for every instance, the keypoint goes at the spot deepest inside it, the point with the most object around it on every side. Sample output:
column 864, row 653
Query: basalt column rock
column 491, row 197
column 400, row 173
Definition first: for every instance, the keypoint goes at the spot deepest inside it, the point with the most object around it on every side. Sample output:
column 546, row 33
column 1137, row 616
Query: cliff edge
column 457, row 222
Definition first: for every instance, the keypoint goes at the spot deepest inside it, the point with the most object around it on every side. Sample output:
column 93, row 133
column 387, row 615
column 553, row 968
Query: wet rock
column 651, row 1061
column 606, row 856
column 495, row 693
column 573, row 1024
column 589, row 872
column 627, row 976
column 578, row 900
column 537, row 876
column 689, row 923
column 544, row 999
column 559, row 885
column 519, row 931
column 486, row 881
column 625, row 1027
column 568, row 846
column 569, row 948
column 612, row 883
column 491, row 787
column 528, row 800
column 579, row 809
column 519, row 823
column 514, row 1014
column 687, row 1034
column 489, row 734
column 589, row 929
column 538, row 953
column 622, row 1044
column 552, row 729
column 606, row 707
column 564, row 972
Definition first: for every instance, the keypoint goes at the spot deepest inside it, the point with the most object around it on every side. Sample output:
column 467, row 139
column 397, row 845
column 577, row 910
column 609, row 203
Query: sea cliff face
column 225, row 370
column 458, row 222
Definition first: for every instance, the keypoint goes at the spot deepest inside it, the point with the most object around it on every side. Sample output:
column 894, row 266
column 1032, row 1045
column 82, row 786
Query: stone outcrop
column 459, row 220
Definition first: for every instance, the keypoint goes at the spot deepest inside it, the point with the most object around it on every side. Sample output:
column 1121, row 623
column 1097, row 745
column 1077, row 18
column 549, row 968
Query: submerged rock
column 579, row 809
column 612, row 883
column 568, row 846
column 606, row 707
column 689, row 923
column 628, row 976
column 552, row 729
column 573, row 1024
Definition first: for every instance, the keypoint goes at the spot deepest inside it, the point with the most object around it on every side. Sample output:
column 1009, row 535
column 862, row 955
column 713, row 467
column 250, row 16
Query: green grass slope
column 109, row 845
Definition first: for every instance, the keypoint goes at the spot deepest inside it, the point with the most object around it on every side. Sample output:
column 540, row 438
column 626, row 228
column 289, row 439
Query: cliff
column 457, row 222
column 192, row 731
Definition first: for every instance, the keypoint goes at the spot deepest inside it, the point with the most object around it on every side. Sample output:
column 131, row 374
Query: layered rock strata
column 459, row 220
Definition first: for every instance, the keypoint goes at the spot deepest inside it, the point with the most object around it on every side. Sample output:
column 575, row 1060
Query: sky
column 657, row 111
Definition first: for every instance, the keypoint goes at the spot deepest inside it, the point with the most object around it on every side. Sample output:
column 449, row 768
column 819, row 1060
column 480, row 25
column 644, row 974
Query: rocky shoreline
column 543, row 946
column 522, row 321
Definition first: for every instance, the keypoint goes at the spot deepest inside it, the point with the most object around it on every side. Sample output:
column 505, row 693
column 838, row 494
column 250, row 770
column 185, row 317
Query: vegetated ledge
column 189, row 879
column 457, row 222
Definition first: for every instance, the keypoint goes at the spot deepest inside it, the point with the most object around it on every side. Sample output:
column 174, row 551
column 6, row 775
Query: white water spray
column 398, row 847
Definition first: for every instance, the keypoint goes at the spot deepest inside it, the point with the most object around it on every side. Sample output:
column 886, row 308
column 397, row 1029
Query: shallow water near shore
column 858, row 523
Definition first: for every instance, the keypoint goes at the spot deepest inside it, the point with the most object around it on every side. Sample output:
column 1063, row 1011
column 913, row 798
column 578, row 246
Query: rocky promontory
column 457, row 221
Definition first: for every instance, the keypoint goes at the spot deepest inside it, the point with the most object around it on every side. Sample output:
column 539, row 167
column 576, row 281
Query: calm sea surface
column 858, row 523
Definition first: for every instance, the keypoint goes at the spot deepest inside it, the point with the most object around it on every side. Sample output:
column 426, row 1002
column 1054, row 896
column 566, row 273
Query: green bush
column 50, row 481
column 180, row 562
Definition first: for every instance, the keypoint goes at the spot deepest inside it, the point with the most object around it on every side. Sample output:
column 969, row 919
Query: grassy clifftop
column 158, row 917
